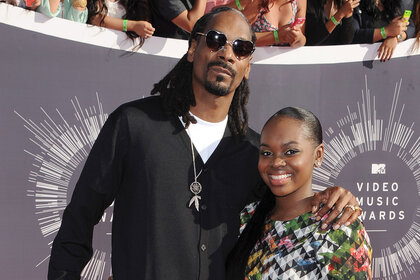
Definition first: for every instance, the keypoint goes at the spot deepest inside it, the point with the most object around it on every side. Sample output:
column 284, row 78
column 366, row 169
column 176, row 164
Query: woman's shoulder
column 347, row 251
column 352, row 233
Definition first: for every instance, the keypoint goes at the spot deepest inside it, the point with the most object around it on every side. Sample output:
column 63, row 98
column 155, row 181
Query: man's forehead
column 231, row 23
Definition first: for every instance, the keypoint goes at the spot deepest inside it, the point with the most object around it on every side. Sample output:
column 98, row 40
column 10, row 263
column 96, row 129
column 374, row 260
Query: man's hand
column 335, row 199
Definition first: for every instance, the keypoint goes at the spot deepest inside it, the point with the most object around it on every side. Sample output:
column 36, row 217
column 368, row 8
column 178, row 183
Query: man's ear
column 191, row 51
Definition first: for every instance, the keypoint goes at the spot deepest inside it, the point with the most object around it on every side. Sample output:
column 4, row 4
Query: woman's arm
column 362, row 33
column 347, row 31
column 301, row 13
column 188, row 18
column 140, row 27
column 250, row 8
column 351, row 257
column 318, row 31
column 295, row 36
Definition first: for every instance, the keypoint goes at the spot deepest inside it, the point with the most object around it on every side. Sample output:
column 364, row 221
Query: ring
column 358, row 208
column 350, row 206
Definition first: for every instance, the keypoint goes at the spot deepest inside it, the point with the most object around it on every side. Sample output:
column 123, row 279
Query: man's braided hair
column 176, row 91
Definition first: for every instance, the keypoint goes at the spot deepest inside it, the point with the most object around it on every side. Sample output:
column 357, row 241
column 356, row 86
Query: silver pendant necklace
column 195, row 186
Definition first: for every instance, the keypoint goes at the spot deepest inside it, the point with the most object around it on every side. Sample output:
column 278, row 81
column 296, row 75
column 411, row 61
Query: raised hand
column 396, row 26
column 347, row 8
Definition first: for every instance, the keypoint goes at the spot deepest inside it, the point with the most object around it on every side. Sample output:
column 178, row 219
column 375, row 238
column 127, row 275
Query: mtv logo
column 378, row 168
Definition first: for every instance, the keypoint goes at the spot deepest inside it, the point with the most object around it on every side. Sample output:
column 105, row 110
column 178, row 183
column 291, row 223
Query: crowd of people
column 293, row 23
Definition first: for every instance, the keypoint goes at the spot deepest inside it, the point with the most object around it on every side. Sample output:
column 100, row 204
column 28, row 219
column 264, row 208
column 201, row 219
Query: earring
column 318, row 164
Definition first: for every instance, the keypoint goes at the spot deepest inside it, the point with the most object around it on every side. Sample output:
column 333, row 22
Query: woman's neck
column 287, row 209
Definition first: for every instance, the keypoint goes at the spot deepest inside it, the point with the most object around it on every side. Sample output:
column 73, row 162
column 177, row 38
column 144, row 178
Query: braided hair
column 176, row 90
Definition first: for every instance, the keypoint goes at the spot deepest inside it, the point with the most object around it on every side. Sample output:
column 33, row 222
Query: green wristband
column 125, row 25
column 334, row 21
column 238, row 5
column 276, row 36
column 383, row 33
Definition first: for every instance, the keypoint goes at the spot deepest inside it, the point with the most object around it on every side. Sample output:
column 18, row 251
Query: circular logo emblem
column 60, row 150
column 378, row 159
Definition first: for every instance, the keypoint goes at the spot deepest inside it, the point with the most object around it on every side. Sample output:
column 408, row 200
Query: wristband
column 276, row 36
column 334, row 21
column 125, row 25
column 383, row 33
column 238, row 5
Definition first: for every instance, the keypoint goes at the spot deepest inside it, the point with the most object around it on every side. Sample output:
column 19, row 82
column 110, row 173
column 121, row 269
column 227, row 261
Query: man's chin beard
column 216, row 89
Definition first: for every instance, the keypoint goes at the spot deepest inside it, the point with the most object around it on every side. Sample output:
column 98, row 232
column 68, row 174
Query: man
column 176, row 18
column 180, row 167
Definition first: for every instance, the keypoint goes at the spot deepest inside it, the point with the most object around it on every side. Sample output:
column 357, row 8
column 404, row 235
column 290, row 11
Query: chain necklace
column 195, row 186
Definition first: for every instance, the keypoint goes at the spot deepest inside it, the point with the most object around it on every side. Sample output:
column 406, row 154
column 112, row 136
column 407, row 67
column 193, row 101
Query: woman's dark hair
column 311, row 122
column 392, row 9
column 265, row 6
column 176, row 87
column 254, row 230
column 135, row 10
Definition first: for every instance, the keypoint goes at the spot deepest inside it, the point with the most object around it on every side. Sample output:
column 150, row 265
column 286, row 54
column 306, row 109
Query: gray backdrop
column 55, row 95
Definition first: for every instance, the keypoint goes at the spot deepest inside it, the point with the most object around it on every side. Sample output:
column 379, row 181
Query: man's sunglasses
column 216, row 40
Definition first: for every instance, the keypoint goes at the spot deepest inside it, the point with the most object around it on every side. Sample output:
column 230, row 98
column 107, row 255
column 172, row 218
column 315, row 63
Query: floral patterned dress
column 300, row 249
column 262, row 24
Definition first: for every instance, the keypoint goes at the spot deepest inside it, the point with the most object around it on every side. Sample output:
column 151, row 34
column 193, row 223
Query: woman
column 329, row 22
column 381, row 20
column 280, row 237
column 273, row 20
column 130, row 16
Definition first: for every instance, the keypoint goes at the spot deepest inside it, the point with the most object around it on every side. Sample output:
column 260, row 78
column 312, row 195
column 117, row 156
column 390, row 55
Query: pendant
column 195, row 188
column 195, row 199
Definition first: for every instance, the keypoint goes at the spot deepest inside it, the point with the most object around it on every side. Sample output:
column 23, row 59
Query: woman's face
column 287, row 157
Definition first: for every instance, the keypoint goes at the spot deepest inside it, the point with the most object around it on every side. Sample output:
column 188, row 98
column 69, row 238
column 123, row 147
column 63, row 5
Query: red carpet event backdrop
column 60, row 80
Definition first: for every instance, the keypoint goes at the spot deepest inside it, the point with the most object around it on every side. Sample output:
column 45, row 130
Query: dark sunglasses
column 216, row 40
